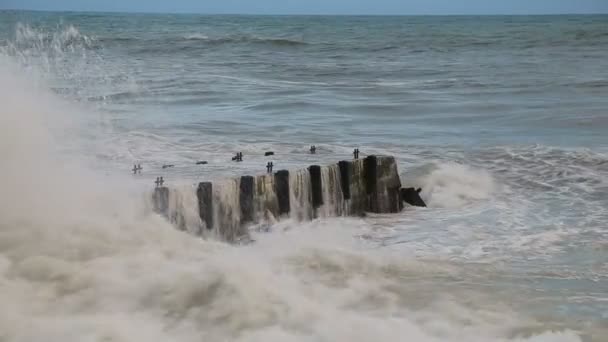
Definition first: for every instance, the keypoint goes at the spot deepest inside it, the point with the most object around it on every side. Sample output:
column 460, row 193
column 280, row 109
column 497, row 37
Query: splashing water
column 455, row 185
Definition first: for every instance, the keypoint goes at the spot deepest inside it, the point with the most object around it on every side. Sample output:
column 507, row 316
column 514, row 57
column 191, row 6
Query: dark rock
column 246, row 198
column 411, row 196
column 205, row 203
column 316, row 185
column 281, row 179
column 270, row 153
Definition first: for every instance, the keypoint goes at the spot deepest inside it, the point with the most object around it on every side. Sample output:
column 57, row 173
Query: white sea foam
column 454, row 185
column 196, row 36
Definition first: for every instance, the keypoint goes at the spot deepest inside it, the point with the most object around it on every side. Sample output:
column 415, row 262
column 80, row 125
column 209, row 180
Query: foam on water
column 452, row 185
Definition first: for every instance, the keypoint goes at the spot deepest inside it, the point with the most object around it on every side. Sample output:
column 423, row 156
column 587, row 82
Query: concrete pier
column 349, row 187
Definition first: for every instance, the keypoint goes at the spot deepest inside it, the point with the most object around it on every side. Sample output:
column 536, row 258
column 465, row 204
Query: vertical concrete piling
column 345, row 177
column 370, row 175
column 316, row 186
column 205, row 203
column 388, row 199
column 160, row 200
column 265, row 198
column 358, row 192
column 382, row 184
column 349, row 187
column 281, row 183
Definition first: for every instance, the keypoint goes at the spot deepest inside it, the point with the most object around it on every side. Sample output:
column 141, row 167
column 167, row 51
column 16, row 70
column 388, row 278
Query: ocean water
column 502, row 121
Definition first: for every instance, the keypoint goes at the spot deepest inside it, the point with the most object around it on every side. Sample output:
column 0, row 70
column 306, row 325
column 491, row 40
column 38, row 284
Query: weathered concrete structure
column 350, row 187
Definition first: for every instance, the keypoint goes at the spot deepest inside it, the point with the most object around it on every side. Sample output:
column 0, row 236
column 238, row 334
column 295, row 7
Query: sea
column 501, row 120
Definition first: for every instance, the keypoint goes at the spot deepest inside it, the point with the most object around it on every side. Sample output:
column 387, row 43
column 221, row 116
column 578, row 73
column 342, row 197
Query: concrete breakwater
column 228, row 207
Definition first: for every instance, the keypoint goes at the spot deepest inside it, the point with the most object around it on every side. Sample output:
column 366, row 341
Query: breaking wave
column 452, row 185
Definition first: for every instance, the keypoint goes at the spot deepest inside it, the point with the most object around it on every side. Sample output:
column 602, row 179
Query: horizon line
column 305, row 14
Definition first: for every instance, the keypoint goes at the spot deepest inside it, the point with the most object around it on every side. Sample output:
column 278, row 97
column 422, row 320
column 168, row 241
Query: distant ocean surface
column 502, row 120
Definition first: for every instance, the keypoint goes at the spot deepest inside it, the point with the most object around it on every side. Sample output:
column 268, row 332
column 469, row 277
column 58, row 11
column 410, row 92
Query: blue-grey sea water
column 502, row 120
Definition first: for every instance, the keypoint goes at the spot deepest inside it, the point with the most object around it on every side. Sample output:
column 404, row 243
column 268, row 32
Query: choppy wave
column 203, row 40
column 238, row 39
column 29, row 40
column 72, row 59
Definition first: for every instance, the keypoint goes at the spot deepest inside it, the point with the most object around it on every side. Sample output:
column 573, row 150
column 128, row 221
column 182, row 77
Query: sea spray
column 227, row 210
column 452, row 185
column 183, row 209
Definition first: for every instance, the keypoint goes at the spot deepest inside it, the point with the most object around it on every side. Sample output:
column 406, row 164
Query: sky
column 372, row 7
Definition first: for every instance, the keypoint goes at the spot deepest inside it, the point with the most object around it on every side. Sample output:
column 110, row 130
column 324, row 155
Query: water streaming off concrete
column 333, row 199
column 300, row 195
column 226, row 209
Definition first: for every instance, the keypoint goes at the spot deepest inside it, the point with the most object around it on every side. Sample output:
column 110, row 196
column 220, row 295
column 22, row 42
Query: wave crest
column 30, row 40
column 243, row 39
